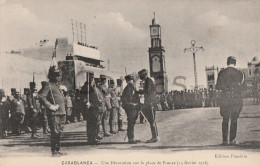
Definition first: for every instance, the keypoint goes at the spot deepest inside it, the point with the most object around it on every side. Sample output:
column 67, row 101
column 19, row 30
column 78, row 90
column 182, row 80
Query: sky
column 120, row 30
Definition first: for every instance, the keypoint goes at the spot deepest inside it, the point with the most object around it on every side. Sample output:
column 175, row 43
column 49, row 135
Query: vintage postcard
column 129, row 82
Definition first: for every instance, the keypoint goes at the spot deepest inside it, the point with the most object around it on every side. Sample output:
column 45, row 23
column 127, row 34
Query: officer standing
column 119, row 110
column 230, row 82
column 4, row 114
column 149, row 98
column 94, row 109
column 43, row 115
column 131, row 104
column 115, row 107
column 103, row 88
column 27, row 119
column 34, row 107
column 17, row 114
column 52, row 97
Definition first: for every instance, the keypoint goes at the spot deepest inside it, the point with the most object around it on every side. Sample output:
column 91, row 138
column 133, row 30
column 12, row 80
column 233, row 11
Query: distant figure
column 52, row 97
column 230, row 82
column 17, row 114
column 4, row 114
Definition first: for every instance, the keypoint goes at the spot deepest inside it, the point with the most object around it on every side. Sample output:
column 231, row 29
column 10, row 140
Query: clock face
column 154, row 31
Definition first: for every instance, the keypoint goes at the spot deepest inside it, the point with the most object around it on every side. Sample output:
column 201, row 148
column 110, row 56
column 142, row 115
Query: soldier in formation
column 4, row 114
column 34, row 109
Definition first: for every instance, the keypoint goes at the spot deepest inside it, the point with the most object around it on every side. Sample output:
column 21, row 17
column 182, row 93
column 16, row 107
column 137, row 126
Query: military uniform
column 52, row 97
column 17, row 114
column 131, row 104
column 35, row 108
column 120, row 111
column 115, row 108
column 4, row 114
column 230, row 81
column 43, row 115
column 149, row 99
column 107, row 98
column 27, row 119
column 94, row 111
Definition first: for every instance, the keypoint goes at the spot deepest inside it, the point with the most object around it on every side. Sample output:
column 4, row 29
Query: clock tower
column 157, row 59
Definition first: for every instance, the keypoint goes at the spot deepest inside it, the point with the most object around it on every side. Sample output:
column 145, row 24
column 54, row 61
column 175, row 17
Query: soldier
column 131, row 104
column 230, row 81
column 68, row 107
column 34, row 107
column 106, row 114
column 27, row 120
column 17, row 114
column 149, row 97
column 94, row 109
column 52, row 97
column 115, row 107
column 43, row 115
column 119, row 110
column 4, row 114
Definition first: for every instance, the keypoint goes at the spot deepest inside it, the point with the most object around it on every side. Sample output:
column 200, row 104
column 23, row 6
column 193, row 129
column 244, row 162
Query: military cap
column 44, row 83
column 103, row 77
column 32, row 85
column 129, row 77
column 25, row 90
column 231, row 60
column 97, row 80
column 13, row 90
column 119, row 81
column 53, row 72
column 142, row 72
column 111, row 82
column 2, row 92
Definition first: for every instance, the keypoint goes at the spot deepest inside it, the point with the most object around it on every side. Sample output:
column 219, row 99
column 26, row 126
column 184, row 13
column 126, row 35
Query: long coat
column 230, row 82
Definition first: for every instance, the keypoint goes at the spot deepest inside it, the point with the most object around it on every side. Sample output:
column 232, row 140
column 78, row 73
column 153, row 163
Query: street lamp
column 194, row 49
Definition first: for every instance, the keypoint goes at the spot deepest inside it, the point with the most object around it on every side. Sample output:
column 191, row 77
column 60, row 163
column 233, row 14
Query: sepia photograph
column 129, row 82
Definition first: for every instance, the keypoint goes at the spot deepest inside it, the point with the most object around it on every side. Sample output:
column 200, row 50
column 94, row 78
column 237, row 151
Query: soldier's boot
column 120, row 125
column 45, row 127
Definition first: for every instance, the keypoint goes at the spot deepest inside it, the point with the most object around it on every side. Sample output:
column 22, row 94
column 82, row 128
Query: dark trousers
column 233, row 128
column 105, row 116
column 56, row 123
column 44, row 120
column 112, row 119
column 34, row 121
column 132, row 116
column 229, row 113
column 93, row 123
column 119, row 118
column 17, row 120
column 149, row 113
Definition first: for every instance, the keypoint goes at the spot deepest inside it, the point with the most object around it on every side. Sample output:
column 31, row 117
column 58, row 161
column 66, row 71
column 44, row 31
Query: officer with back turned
column 230, row 82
